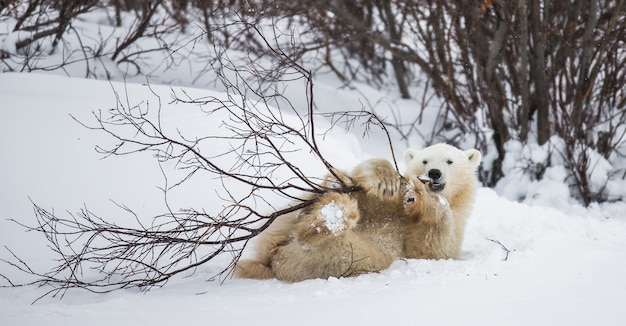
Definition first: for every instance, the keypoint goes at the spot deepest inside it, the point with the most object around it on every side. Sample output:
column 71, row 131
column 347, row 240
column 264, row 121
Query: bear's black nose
column 434, row 174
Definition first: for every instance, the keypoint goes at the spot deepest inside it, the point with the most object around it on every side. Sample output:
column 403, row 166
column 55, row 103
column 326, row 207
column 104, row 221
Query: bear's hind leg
column 253, row 269
column 276, row 235
column 326, row 245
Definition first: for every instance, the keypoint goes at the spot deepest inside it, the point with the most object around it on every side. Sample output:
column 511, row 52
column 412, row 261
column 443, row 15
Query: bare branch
column 99, row 255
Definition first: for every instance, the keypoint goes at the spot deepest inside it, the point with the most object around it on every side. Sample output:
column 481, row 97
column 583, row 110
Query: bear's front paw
column 378, row 178
column 333, row 214
column 337, row 180
column 418, row 200
column 414, row 192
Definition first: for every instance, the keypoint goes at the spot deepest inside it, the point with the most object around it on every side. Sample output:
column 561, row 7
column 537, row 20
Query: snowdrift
column 539, row 264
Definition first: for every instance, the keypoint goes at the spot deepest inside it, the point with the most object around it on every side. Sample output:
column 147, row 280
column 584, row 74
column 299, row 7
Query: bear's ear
column 409, row 155
column 474, row 156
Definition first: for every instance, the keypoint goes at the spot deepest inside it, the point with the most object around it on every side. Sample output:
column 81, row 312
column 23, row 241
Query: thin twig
column 506, row 250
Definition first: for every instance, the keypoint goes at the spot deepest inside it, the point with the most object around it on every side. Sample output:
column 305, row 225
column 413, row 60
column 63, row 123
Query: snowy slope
column 566, row 263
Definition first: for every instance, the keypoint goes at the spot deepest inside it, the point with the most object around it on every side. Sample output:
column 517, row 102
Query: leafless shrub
column 505, row 70
column 41, row 28
column 262, row 143
column 502, row 70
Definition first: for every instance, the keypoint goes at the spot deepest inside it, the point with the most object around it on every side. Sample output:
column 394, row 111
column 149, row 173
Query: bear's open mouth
column 437, row 187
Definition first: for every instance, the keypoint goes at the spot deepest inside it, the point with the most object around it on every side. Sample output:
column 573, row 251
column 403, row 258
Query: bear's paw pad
column 410, row 197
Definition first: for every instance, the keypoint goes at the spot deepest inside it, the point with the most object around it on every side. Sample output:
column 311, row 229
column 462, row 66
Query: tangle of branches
column 263, row 130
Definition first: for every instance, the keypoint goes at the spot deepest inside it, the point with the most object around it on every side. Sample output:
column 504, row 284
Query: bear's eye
column 425, row 162
column 449, row 162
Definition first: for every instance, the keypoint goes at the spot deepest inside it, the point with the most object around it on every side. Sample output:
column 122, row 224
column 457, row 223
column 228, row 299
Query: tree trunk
column 538, row 66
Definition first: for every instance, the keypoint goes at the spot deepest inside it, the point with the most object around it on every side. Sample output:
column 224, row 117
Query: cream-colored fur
column 458, row 170
column 393, row 217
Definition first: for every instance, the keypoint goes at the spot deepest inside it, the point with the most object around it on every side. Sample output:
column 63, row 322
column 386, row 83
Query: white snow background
column 566, row 265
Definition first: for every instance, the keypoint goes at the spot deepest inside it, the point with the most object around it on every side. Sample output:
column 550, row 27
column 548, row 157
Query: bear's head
column 452, row 170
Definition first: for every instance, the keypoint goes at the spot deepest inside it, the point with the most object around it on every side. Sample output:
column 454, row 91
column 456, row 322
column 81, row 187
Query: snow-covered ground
column 565, row 264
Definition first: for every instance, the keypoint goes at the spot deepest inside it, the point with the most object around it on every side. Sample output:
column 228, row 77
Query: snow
column 442, row 200
column 332, row 215
column 544, row 261
column 565, row 264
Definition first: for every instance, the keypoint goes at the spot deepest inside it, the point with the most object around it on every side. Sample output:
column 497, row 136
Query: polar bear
column 420, row 214
column 453, row 178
